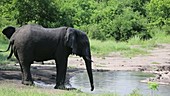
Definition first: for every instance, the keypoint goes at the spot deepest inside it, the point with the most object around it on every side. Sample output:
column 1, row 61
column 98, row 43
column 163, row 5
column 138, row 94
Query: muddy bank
column 162, row 74
column 41, row 73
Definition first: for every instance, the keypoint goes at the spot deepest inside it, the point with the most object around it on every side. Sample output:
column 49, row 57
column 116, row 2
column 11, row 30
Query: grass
column 155, row 63
column 143, row 74
column 100, row 48
column 8, row 91
column 131, row 48
column 14, row 90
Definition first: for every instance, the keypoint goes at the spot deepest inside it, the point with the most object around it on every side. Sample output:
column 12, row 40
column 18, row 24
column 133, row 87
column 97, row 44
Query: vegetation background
column 117, row 20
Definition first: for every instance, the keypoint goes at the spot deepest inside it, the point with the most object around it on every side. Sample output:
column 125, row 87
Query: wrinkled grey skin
column 34, row 43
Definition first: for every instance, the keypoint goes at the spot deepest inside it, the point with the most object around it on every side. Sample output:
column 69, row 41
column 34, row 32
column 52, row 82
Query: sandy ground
column 158, row 58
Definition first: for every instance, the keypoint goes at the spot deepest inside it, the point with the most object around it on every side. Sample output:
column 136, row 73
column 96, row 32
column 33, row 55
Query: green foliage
column 66, row 12
column 43, row 12
column 6, row 9
column 114, row 19
column 153, row 85
column 158, row 12
column 118, row 20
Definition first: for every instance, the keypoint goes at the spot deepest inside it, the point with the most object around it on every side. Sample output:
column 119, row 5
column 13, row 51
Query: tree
column 139, row 5
column 119, row 22
column 7, row 13
column 84, row 9
column 158, row 12
column 43, row 12
column 67, row 12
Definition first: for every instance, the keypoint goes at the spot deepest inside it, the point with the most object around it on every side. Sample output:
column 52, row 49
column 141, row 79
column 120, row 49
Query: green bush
column 121, row 28
column 158, row 12
column 101, row 19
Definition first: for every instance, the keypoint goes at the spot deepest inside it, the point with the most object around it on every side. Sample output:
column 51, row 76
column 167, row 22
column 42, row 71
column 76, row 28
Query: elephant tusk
column 88, row 59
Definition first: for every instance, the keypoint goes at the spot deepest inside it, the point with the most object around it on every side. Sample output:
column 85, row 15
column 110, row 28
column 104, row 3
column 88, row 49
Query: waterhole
column 119, row 82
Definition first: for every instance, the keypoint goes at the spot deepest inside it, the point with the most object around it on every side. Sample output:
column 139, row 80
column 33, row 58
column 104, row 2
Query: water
column 120, row 82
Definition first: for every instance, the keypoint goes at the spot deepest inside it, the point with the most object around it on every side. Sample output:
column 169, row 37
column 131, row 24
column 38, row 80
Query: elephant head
column 79, row 44
column 9, row 31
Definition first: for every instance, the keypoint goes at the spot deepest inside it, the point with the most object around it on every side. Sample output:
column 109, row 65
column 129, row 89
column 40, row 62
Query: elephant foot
column 60, row 87
column 30, row 83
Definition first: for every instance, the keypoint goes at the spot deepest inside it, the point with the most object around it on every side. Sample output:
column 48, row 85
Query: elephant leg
column 22, row 76
column 25, row 60
column 16, row 55
column 27, row 78
column 61, row 67
column 22, row 72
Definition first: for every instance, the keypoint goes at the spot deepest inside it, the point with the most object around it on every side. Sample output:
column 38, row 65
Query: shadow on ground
column 45, row 74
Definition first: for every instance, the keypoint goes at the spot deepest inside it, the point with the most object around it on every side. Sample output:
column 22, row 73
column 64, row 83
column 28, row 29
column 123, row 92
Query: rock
column 141, row 69
column 167, row 68
column 158, row 77
column 162, row 77
column 166, row 72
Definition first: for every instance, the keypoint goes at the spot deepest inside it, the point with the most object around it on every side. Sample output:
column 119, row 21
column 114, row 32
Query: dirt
column 157, row 60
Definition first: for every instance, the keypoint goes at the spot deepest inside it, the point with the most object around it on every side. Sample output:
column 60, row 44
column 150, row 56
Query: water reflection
column 121, row 82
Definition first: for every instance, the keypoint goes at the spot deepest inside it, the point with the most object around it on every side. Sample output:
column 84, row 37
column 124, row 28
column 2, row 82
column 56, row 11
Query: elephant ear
column 78, row 42
column 71, row 38
column 8, row 31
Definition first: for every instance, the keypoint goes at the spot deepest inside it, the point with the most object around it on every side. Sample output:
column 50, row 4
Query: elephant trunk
column 88, row 62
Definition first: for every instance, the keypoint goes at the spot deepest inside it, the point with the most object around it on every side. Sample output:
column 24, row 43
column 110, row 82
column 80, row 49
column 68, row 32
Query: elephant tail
column 10, row 55
column 9, row 46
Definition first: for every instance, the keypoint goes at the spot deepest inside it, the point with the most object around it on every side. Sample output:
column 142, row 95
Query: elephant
column 33, row 42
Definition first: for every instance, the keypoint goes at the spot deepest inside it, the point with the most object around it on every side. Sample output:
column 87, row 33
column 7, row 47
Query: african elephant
column 35, row 43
